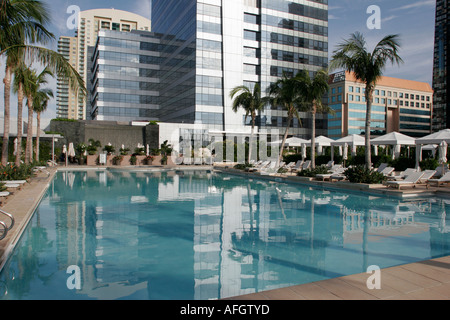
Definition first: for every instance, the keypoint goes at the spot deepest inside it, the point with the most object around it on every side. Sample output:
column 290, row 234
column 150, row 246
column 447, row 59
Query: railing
column 6, row 229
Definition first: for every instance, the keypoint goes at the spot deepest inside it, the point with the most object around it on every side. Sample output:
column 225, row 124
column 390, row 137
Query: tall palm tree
column 40, row 104
column 33, row 82
column 22, row 22
column 313, row 91
column 368, row 67
column 19, row 80
column 285, row 93
column 252, row 102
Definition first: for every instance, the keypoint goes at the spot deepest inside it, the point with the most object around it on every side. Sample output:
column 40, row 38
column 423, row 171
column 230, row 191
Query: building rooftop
column 387, row 82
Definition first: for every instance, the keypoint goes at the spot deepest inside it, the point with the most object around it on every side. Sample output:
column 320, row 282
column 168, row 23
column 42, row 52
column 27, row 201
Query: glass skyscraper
column 441, row 74
column 212, row 46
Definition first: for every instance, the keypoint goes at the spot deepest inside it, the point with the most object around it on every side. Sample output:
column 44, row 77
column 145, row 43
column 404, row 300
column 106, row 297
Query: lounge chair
column 403, row 174
column 198, row 161
column 382, row 167
column 187, row 161
column 387, row 171
column 410, row 180
column 306, row 165
column 258, row 167
column 427, row 174
column 297, row 166
column 335, row 171
column 271, row 168
column 330, row 164
column 444, row 179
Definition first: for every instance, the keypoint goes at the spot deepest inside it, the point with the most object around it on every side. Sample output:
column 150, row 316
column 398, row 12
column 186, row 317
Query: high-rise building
column 399, row 105
column 224, row 44
column 79, row 50
column 441, row 74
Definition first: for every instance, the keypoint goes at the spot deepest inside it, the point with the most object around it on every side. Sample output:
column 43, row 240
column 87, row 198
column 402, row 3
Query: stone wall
column 106, row 132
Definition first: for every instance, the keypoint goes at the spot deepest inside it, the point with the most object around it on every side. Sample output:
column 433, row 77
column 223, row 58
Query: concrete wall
column 107, row 132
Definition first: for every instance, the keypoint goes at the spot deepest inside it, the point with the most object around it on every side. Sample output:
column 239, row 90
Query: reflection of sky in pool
column 198, row 235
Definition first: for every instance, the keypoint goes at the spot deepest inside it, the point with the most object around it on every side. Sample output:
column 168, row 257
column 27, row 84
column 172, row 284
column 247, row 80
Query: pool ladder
column 4, row 225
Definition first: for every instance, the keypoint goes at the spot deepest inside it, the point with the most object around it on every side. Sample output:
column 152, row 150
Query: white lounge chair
column 403, row 174
column 335, row 171
column 387, row 171
column 198, row 161
column 442, row 180
column 187, row 161
column 297, row 166
column 306, row 165
column 427, row 174
column 271, row 168
column 382, row 167
column 410, row 181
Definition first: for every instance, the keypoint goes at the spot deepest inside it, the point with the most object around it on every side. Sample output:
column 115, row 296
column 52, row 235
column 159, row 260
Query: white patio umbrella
column 345, row 153
column 350, row 140
column 71, row 151
column 296, row 142
column 434, row 138
column 394, row 138
column 15, row 146
column 64, row 151
column 443, row 152
column 304, row 151
column 148, row 150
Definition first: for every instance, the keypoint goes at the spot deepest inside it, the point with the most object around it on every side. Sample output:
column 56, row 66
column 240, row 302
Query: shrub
column 133, row 159
column 12, row 172
column 429, row 164
column 313, row 172
column 360, row 174
column 243, row 166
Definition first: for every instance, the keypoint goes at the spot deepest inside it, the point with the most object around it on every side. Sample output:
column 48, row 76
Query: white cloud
column 416, row 5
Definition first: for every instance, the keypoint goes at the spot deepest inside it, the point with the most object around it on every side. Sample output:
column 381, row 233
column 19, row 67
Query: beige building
column 399, row 105
column 76, row 50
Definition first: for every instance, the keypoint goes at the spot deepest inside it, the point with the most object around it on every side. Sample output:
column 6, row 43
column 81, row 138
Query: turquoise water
column 200, row 235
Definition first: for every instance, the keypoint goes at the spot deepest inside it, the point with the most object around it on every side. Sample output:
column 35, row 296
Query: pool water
column 197, row 235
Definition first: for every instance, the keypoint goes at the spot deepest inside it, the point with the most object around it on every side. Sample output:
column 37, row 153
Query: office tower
column 441, row 72
column 125, row 76
column 232, row 43
column 399, row 105
column 79, row 50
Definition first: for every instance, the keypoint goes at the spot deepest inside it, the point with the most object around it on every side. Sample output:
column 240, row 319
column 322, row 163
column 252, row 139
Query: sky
column 413, row 21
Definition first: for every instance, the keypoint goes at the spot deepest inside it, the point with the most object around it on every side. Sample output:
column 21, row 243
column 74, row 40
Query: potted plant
column 133, row 159
column 81, row 149
column 117, row 160
column 92, row 147
column 149, row 159
column 109, row 149
column 166, row 150
column 124, row 151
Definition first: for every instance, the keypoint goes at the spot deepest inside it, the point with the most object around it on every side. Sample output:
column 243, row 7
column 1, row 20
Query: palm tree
column 19, row 80
column 40, row 104
column 21, row 22
column 312, row 92
column 285, row 93
column 353, row 56
column 33, row 82
column 251, row 102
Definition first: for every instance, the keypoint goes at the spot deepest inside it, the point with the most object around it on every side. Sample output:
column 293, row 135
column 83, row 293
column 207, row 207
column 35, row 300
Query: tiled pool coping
column 421, row 280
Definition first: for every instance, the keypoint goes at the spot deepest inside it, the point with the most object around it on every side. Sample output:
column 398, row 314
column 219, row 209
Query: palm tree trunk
column 290, row 116
column 251, row 140
column 368, row 125
column 29, row 147
column 38, row 128
column 19, row 123
column 313, row 139
column 6, row 119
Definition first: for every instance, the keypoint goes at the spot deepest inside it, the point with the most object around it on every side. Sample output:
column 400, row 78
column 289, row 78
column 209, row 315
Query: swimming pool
column 197, row 235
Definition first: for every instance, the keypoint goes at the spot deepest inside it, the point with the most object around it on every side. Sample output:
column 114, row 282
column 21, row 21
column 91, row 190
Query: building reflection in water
column 200, row 235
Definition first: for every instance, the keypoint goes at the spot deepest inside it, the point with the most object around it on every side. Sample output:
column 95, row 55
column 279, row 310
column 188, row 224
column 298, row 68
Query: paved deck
column 426, row 280
column 421, row 281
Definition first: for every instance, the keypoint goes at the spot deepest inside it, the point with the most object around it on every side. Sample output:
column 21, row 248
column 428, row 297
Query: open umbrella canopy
column 350, row 140
column 290, row 142
column 394, row 138
column 323, row 141
column 435, row 138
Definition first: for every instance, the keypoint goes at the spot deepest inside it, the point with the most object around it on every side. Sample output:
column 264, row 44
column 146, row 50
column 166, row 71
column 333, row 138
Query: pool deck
column 425, row 280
